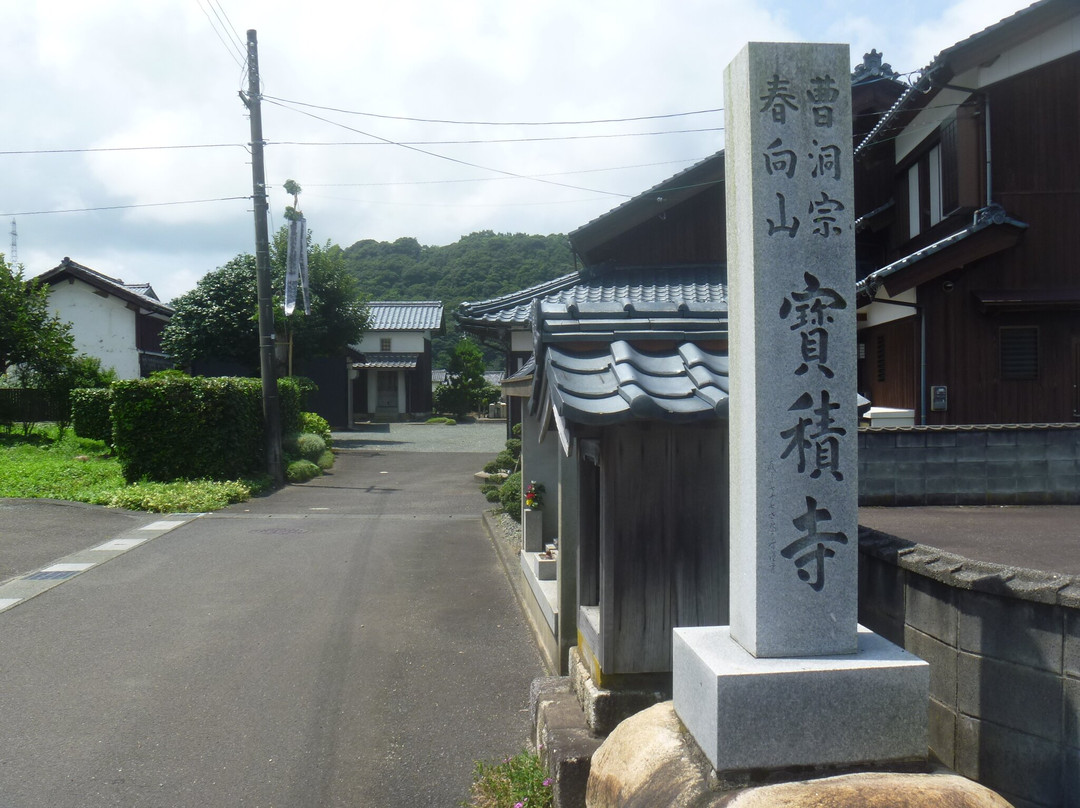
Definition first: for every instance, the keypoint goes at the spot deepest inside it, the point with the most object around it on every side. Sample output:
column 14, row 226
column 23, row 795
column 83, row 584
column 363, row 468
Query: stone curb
column 963, row 573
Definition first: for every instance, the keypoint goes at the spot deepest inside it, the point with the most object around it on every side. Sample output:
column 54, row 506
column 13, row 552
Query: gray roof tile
column 621, row 383
column 387, row 361
column 647, row 290
column 406, row 315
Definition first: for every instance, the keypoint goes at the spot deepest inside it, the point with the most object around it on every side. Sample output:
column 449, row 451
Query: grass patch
column 517, row 782
column 48, row 465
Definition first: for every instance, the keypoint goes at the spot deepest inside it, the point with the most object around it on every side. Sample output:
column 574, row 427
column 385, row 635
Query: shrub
column 310, row 447
column 510, row 495
column 516, row 430
column 90, row 413
column 189, row 496
column 292, row 396
column 168, row 428
column 315, row 424
column 326, row 460
column 300, row 471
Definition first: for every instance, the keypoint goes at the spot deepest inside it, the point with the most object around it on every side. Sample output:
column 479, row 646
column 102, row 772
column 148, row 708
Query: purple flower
column 547, row 781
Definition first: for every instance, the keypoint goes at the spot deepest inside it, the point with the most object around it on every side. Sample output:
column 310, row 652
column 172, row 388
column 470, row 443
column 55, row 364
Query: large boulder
column 651, row 761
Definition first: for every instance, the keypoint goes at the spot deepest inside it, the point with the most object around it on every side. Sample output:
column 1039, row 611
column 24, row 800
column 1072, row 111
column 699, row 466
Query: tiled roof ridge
column 500, row 301
column 108, row 281
column 405, row 303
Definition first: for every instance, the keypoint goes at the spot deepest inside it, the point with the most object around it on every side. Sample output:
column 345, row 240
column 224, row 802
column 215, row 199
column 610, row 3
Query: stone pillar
column 794, row 681
column 791, row 281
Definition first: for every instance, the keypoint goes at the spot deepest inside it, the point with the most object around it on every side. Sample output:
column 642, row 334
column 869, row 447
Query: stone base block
column 605, row 707
column 565, row 744
column 750, row 714
column 532, row 530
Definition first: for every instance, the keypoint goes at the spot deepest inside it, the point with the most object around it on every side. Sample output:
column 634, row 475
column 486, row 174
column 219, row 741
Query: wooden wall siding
column 965, row 354
column 689, row 233
column 664, row 540
column 148, row 333
column 1035, row 124
column 890, row 383
column 1035, row 151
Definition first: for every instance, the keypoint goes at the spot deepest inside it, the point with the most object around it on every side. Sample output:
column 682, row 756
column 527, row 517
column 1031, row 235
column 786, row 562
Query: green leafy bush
column 315, row 424
column 300, row 471
column 310, row 447
column 292, row 399
column 184, row 496
column 516, row 781
column 90, row 413
column 172, row 428
column 510, row 495
column 326, row 460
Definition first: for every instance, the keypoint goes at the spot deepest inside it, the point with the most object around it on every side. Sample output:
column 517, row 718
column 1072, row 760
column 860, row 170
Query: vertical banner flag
column 296, row 270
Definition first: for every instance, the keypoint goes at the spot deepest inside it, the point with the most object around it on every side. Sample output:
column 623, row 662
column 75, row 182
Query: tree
column 29, row 334
column 465, row 388
column 218, row 319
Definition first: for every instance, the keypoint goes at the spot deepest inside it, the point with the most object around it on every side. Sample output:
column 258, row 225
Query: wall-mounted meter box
column 939, row 398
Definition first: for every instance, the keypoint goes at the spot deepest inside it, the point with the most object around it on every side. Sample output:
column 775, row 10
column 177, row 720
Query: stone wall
column 1004, row 651
column 1015, row 464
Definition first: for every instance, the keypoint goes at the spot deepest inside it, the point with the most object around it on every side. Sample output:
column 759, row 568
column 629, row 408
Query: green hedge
column 292, row 395
column 90, row 413
column 174, row 428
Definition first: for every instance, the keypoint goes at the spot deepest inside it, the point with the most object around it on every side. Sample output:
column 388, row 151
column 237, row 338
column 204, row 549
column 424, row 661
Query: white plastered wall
column 103, row 327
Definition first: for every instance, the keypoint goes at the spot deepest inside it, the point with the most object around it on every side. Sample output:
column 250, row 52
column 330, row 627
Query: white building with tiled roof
column 119, row 324
column 393, row 371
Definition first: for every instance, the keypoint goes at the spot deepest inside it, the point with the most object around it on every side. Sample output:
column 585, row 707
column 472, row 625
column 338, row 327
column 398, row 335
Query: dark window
column 1019, row 353
column 384, row 344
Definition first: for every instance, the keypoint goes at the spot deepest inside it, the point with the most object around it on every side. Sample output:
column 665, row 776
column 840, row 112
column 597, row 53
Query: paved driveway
column 487, row 437
column 348, row 642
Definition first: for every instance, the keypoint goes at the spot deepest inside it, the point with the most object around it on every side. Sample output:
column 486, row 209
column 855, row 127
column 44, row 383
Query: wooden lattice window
column 384, row 344
column 880, row 358
column 1019, row 352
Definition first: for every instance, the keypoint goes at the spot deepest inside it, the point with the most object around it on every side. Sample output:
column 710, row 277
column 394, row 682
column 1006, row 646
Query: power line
column 236, row 53
column 127, row 148
column 493, row 123
column 126, row 207
column 497, row 179
column 448, row 158
column 480, row 141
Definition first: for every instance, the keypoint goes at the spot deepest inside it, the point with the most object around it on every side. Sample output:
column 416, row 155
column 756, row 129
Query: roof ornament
column 873, row 68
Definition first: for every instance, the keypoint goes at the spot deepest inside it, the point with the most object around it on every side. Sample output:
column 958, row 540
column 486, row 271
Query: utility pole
column 271, row 406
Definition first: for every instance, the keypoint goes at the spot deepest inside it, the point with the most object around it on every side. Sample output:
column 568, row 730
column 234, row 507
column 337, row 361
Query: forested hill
column 476, row 267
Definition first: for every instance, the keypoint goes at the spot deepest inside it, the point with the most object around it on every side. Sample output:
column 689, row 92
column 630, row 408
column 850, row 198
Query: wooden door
column 387, row 397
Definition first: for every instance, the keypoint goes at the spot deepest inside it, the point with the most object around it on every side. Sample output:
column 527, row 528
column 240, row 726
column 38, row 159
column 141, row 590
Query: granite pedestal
column 750, row 713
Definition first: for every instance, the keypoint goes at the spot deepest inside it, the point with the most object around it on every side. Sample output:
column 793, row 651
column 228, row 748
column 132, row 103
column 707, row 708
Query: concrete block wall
column 1014, row 464
column 1004, row 651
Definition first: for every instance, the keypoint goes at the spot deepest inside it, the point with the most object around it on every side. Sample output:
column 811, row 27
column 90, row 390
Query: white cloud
column 116, row 73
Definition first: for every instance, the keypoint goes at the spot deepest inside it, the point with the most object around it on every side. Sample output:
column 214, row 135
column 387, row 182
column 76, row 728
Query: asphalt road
column 349, row 642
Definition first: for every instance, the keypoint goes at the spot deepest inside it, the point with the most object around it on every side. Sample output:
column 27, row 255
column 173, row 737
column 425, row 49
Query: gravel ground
column 484, row 437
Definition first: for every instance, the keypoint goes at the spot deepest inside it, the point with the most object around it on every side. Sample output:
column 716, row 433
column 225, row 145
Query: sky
column 124, row 142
